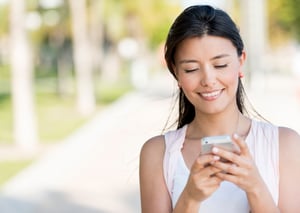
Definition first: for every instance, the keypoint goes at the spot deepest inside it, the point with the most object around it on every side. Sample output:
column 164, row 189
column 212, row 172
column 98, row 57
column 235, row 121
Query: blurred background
column 85, row 81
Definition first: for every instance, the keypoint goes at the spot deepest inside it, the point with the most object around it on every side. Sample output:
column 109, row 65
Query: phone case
column 223, row 141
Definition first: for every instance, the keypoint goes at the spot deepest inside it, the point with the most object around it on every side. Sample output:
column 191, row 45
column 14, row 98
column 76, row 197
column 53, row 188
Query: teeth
column 211, row 94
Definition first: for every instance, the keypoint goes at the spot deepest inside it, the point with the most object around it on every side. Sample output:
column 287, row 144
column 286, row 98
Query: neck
column 217, row 124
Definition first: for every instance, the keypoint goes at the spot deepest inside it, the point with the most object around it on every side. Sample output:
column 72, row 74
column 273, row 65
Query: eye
column 191, row 70
column 220, row 66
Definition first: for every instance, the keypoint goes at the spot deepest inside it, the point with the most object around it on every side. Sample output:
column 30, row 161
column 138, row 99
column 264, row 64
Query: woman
column 205, row 54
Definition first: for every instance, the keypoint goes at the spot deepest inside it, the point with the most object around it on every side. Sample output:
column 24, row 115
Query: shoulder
column 289, row 140
column 158, row 144
column 152, row 153
column 289, row 148
column 154, row 146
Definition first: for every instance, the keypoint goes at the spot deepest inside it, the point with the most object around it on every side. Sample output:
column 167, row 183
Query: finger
column 241, row 143
column 229, row 168
column 227, row 176
column 213, row 181
column 227, row 155
column 209, row 171
column 202, row 161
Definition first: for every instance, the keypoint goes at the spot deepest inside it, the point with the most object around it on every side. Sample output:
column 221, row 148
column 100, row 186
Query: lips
column 209, row 96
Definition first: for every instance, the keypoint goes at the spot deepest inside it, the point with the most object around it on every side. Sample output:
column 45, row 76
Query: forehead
column 205, row 47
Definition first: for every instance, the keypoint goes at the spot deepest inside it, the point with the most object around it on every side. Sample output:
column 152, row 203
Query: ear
column 242, row 60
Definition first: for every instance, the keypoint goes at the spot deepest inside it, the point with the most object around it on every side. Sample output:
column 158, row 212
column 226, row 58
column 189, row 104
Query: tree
column 284, row 19
column 96, row 32
column 82, row 58
column 25, row 128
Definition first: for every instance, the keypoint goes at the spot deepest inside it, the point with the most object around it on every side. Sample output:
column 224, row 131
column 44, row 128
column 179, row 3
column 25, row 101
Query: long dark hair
column 197, row 21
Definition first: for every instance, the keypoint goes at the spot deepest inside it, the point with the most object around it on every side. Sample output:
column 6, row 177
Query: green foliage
column 4, row 73
column 5, row 118
column 284, row 18
column 4, row 19
column 157, row 19
column 150, row 19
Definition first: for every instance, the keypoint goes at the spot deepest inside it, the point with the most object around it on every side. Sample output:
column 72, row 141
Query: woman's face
column 207, row 70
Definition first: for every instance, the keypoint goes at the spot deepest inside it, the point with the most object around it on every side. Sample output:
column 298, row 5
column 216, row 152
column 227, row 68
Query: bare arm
column 154, row 194
column 289, row 169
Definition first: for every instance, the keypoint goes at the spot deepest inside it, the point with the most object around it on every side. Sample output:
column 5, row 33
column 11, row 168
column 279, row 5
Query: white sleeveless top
column 262, row 141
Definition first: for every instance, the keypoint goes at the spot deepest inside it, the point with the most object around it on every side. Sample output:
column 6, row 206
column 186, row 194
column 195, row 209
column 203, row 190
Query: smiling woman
column 207, row 70
column 205, row 54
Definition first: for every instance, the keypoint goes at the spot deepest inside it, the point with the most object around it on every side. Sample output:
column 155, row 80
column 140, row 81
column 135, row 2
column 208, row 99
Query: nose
column 208, row 78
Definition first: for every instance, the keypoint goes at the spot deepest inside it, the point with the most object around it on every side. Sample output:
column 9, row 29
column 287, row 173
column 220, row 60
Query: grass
column 5, row 119
column 107, row 93
column 10, row 168
column 57, row 118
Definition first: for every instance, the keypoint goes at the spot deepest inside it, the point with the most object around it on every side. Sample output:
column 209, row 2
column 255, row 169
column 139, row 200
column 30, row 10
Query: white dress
column 262, row 141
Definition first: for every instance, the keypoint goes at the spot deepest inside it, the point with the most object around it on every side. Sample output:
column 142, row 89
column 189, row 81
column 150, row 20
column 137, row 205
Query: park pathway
column 96, row 168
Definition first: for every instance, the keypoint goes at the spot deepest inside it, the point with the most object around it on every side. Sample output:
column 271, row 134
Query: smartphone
column 222, row 141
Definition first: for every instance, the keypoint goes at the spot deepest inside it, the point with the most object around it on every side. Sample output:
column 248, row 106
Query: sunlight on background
column 91, row 78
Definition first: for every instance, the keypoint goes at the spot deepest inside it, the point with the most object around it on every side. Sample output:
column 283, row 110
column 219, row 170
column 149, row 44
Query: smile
column 211, row 95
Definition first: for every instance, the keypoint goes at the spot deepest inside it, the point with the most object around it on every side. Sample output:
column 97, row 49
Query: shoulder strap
column 264, row 146
column 173, row 144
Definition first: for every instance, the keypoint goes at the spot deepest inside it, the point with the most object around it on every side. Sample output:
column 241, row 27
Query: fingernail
column 235, row 136
column 215, row 150
column 216, row 157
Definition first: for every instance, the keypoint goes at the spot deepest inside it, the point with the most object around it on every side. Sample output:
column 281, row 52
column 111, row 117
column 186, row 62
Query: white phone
column 222, row 141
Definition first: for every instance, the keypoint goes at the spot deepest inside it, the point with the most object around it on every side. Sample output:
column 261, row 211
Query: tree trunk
column 25, row 127
column 96, row 32
column 82, row 58
column 254, row 32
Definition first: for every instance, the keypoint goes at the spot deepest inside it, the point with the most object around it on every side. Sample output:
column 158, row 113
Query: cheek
column 189, row 82
column 232, row 79
column 232, row 73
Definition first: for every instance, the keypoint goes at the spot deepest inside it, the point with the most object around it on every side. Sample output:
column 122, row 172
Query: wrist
column 186, row 204
column 258, row 189
column 260, row 200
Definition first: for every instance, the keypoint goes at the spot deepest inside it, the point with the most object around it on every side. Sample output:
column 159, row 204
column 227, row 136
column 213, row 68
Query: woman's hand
column 241, row 169
column 203, row 181
column 201, row 184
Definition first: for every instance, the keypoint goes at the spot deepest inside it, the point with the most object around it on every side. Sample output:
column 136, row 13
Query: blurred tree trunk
column 82, row 58
column 96, row 32
column 25, row 128
column 254, row 32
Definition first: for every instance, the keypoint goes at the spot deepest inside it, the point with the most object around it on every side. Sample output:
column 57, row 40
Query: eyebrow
column 220, row 56
column 187, row 61
column 195, row 61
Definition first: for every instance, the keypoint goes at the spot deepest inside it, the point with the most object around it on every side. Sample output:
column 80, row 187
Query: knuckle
column 231, row 169
column 234, row 158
